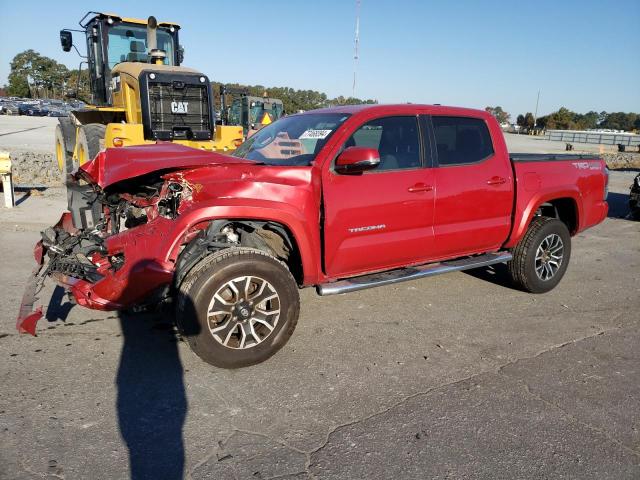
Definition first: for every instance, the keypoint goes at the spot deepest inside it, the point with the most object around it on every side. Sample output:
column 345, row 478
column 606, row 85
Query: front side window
column 396, row 139
column 291, row 141
column 461, row 140
column 128, row 43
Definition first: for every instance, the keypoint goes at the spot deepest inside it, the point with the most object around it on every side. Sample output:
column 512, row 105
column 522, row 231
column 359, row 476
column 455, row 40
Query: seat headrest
column 136, row 46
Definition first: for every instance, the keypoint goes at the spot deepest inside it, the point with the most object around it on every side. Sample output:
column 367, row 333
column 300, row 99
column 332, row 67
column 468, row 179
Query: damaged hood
column 117, row 164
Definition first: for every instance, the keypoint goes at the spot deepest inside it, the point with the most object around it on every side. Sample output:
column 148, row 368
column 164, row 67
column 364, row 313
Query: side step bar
column 411, row 273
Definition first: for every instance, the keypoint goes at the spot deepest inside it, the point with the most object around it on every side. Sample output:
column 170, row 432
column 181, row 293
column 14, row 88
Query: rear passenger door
column 474, row 194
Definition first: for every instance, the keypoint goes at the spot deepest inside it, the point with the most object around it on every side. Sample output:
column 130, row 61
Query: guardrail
column 627, row 139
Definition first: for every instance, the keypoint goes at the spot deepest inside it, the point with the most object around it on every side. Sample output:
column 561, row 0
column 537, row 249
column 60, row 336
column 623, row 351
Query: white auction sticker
column 315, row 134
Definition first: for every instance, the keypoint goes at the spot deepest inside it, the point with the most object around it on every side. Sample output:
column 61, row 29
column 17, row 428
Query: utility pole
column 356, row 46
column 535, row 115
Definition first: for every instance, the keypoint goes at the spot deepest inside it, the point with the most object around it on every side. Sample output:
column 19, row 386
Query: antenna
column 356, row 45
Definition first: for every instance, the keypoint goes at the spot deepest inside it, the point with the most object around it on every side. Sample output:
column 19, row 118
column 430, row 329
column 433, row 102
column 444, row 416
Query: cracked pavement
column 457, row 376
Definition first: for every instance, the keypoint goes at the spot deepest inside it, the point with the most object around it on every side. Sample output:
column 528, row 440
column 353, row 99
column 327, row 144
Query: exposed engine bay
column 98, row 214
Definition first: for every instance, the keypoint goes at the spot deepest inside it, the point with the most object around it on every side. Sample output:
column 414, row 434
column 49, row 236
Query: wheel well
column 564, row 209
column 272, row 237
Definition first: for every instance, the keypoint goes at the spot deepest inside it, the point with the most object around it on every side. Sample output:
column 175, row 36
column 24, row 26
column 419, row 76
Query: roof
column 409, row 108
column 138, row 21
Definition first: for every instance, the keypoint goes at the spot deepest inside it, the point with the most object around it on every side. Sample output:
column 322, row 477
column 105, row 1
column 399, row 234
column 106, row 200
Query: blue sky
column 581, row 54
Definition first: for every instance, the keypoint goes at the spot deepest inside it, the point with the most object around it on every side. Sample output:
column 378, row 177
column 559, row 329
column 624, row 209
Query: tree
column 499, row 113
column 18, row 86
column 33, row 75
column 529, row 121
column 620, row 121
column 292, row 99
column 520, row 120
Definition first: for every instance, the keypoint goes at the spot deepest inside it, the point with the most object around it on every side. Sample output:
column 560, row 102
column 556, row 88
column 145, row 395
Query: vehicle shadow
column 618, row 205
column 58, row 308
column 496, row 274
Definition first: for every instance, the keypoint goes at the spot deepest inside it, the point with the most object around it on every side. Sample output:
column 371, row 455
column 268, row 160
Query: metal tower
column 356, row 46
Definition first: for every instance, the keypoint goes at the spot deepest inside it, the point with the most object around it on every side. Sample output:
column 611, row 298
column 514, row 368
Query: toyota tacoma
column 342, row 199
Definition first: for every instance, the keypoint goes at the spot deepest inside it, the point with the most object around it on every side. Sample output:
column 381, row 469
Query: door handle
column 496, row 181
column 420, row 187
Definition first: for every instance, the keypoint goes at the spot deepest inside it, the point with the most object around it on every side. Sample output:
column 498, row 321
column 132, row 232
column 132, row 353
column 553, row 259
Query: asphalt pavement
column 456, row 376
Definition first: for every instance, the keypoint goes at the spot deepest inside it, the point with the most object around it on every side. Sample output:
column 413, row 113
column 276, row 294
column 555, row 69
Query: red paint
column 28, row 324
column 373, row 221
column 130, row 162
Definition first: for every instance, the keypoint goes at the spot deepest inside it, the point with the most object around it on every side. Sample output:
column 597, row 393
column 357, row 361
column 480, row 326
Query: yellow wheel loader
column 250, row 112
column 139, row 93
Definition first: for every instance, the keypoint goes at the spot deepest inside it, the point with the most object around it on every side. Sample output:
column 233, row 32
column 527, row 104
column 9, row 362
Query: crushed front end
column 106, row 250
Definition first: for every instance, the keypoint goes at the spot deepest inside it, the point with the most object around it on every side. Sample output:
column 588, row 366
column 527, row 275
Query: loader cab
column 111, row 40
column 253, row 113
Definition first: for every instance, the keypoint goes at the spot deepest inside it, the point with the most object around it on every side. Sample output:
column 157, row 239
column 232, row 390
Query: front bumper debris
column 28, row 316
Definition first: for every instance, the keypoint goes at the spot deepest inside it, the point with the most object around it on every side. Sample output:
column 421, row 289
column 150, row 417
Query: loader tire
column 63, row 157
column 90, row 141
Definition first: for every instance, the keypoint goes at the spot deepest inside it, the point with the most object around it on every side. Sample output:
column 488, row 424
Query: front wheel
column 541, row 258
column 90, row 142
column 63, row 157
column 237, row 307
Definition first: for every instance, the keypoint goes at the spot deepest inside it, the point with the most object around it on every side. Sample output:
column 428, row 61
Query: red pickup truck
column 343, row 199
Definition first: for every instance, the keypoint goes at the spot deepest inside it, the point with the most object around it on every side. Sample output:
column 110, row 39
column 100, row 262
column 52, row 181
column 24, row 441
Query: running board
column 411, row 273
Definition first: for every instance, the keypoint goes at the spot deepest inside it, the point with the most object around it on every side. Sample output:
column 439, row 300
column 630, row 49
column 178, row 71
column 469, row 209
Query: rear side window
column 461, row 140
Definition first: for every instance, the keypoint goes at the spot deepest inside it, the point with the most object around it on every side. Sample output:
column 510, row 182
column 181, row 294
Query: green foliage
column 33, row 75
column 18, row 86
column 621, row 121
column 529, row 121
column 82, row 89
column 499, row 113
column 292, row 99
column 565, row 119
column 520, row 120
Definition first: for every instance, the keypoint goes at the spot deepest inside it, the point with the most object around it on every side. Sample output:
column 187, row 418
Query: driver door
column 382, row 218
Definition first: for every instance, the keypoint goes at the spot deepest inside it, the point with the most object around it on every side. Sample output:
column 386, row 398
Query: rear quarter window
column 461, row 140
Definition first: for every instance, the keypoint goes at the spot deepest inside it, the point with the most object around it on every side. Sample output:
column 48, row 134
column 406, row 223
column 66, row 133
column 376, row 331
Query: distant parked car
column 32, row 110
column 8, row 108
column 58, row 113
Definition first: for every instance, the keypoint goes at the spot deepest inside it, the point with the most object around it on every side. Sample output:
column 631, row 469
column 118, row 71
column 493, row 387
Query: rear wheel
column 542, row 256
column 90, row 141
column 238, row 307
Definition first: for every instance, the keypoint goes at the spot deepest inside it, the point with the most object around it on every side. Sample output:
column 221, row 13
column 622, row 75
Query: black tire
column 522, row 268
column 63, row 157
column 91, row 140
column 215, row 272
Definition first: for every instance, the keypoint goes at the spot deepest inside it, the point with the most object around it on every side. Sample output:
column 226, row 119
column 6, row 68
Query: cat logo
column 180, row 107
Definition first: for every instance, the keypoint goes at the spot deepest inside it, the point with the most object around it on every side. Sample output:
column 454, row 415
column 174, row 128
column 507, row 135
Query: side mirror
column 180, row 55
column 354, row 160
column 66, row 40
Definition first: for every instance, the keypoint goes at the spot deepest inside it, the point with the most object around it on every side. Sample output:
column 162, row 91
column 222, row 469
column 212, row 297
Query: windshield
column 128, row 43
column 291, row 141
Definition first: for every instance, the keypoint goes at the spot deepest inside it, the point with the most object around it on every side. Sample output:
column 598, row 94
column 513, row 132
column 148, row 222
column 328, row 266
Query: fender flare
column 306, row 239
column 523, row 216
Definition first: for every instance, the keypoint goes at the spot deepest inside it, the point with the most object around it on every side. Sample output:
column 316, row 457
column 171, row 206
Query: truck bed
column 549, row 157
